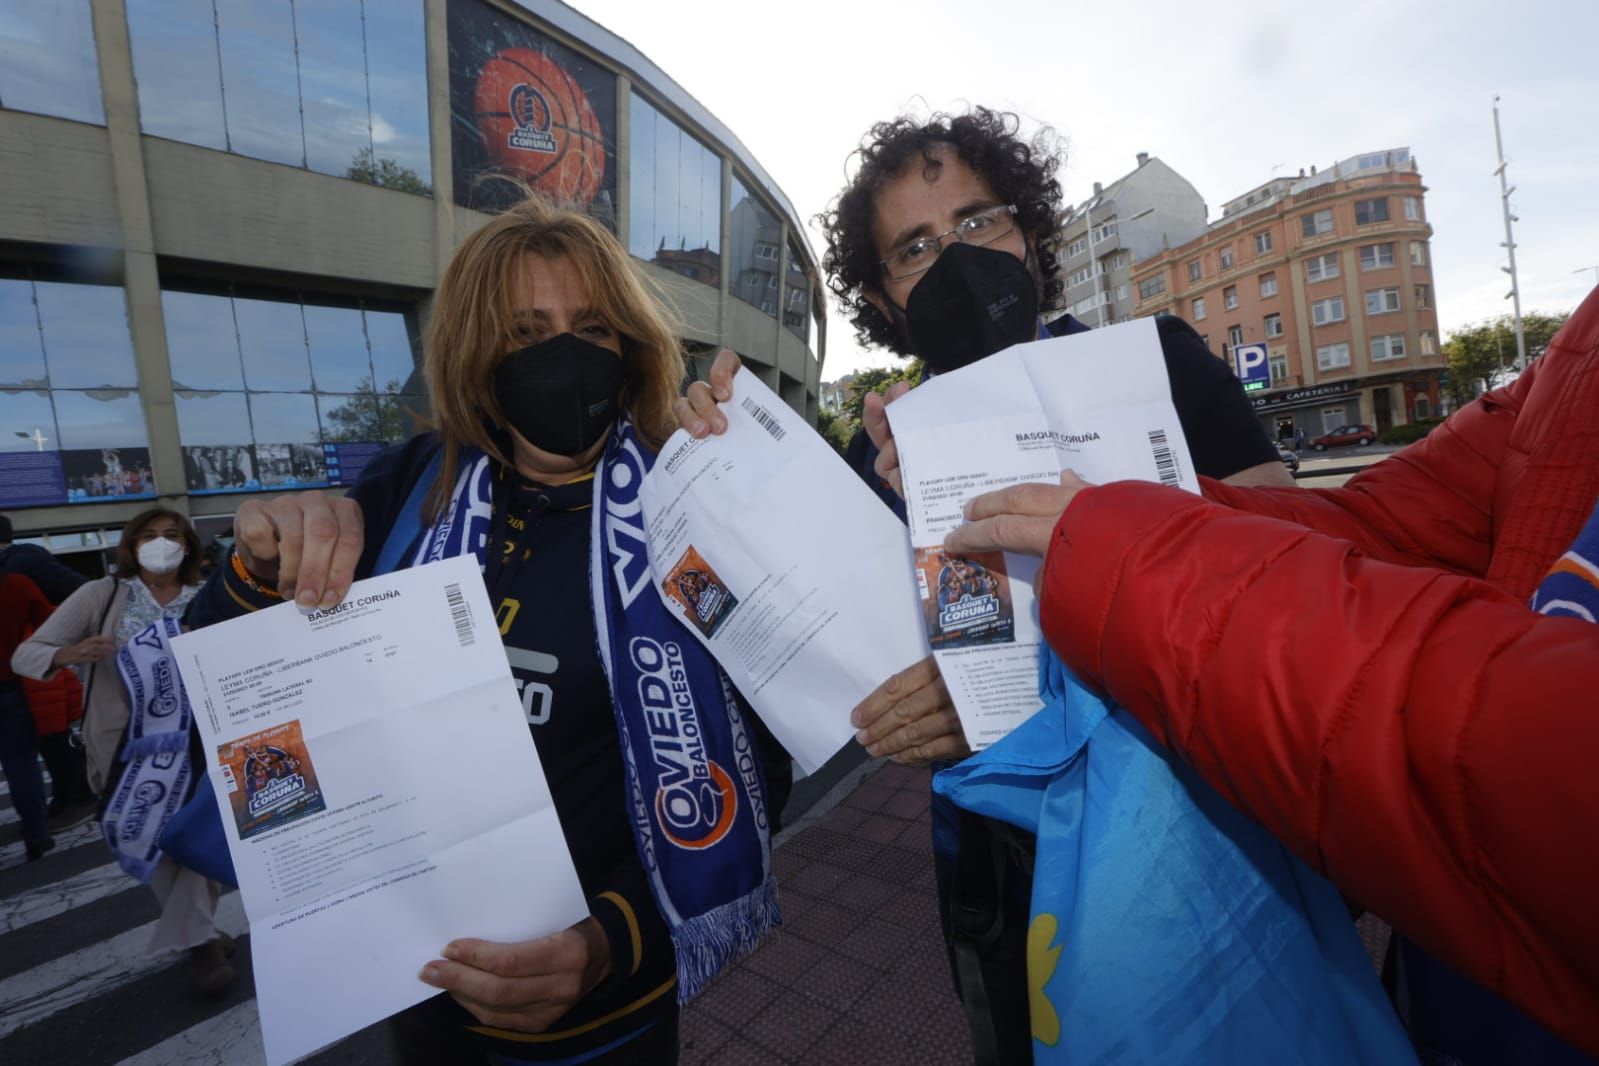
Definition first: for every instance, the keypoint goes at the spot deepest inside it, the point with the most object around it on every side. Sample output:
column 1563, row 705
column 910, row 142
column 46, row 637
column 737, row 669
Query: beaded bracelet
column 252, row 582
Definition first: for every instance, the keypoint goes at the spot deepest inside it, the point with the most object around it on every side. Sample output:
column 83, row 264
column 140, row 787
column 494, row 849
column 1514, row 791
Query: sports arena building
column 221, row 222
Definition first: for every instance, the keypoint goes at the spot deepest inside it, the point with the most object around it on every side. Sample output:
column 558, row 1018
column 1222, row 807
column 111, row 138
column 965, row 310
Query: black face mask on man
column 561, row 394
column 972, row 302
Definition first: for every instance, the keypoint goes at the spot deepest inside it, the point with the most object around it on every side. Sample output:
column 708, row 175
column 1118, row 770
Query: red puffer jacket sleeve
column 1421, row 738
column 55, row 704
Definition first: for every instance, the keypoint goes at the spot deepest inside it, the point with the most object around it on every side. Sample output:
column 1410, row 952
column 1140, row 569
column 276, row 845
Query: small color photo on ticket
column 269, row 779
column 703, row 595
column 966, row 599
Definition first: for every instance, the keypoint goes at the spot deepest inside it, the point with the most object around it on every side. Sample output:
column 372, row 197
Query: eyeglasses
column 985, row 227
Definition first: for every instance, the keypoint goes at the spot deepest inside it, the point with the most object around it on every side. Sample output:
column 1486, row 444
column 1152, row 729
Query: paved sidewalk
column 858, row 973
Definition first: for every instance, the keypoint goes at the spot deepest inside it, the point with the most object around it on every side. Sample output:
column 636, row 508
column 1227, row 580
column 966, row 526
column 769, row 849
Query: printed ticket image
column 699, row 591
column 966, row 599
column 269, row 779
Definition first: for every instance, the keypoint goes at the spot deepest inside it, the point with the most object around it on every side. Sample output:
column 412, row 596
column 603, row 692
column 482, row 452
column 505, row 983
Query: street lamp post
column 1505, row 189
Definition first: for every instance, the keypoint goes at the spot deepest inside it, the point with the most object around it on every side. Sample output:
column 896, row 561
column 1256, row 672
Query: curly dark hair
column 1022, row 172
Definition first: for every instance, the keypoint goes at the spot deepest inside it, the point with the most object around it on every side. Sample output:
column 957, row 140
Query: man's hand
column 525, row 986
column 1016, row 519
column 696, row 409
column 874, row 417
column 308, row 543
column 89, row 650
column 911, row 718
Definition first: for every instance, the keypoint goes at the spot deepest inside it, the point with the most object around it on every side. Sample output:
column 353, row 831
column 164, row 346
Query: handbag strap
column 99, row 630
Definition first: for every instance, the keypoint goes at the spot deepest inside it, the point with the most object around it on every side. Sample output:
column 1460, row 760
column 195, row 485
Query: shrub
column 1410, row 432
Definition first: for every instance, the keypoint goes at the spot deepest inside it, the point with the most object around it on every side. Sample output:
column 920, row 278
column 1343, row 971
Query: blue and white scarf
column 156, row 781
column 1571, row 588
column 696, row 793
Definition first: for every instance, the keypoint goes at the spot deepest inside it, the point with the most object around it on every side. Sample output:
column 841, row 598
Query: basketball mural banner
column 525, row 107
column 269, row 779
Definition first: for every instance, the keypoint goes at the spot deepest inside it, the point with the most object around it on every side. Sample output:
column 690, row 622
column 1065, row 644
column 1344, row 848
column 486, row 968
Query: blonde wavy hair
column 474, row 327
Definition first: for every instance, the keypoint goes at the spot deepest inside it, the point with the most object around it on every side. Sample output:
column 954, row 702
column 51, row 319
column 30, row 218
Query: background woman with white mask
column 157, row 574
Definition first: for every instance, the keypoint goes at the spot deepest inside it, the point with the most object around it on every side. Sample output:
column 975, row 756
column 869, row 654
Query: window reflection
column 287, row 450
column 288, row 417
column 21, row 357
column 47, row 60
column 86, row 339
column 675, row 211
column 396, row 54
column 27, row 421
column 272, row 342
column 797, row 296
column 99, row 418
column 176, row 65
column 202, row 342
column 753, row 236
column 393, row 362
column 349, row 418
column 333, row 84
column 339, row 86
column 213, row 418
column 256, row 38
column 339, row 360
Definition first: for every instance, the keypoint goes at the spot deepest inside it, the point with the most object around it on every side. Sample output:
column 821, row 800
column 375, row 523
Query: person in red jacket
column 1358, row 669
column 22, row 608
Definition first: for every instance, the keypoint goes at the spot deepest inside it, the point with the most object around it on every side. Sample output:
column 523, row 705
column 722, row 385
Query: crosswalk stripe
column 16, row 854
column 232, row 1038
column 93, row 971
column 50, row 900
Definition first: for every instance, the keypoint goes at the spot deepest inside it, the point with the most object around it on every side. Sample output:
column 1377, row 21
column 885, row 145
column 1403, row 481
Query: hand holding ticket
column 996, row 437
column 380, row 793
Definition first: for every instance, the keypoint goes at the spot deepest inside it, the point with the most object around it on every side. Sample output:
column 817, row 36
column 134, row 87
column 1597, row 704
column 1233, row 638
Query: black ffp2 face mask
column 561, row 394
column 971, row 303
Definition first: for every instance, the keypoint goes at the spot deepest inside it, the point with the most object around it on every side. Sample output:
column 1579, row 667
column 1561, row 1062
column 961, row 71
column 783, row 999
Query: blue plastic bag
column 194, row 836
column 1165, row 925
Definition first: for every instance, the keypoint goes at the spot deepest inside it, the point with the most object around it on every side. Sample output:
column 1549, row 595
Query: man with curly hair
column 942, row 247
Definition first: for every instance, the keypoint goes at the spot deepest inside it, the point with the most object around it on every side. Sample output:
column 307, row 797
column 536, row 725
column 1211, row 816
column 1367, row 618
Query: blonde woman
column 552, row 371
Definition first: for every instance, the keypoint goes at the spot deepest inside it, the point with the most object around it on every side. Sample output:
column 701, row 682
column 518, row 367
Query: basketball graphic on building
column 536, row 123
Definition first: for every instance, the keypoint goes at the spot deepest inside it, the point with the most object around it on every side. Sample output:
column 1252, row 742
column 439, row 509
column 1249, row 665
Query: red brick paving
column 858, row 973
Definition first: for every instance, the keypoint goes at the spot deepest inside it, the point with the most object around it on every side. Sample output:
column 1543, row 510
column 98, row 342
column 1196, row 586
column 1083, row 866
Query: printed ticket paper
column 785, row 566
column 1098, row 403
column 380, row 792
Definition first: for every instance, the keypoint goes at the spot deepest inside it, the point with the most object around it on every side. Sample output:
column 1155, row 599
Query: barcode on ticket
column 1165, row 459
column 461, row 615
column 764, row 417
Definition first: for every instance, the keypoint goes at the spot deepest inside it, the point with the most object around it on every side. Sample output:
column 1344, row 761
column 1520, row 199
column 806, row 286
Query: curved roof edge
column 573, row 22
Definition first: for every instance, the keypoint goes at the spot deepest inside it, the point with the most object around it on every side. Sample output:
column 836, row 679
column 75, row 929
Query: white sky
column 1223, row 92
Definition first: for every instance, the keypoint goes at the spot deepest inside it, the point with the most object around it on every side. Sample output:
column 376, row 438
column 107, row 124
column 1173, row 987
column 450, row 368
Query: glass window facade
column 797, row 296
column 71, row 425
column 276, row 393
column 338, row 86
column 675, row 213
column 753, row 237
column 47, row 60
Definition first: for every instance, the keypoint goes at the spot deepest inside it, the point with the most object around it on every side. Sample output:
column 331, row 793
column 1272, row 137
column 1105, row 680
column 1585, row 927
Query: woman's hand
column 911, row 718
column 1018, row 519
column 307, row 544
column 89, row 650
column 525, row 986
column 696, row 409
column 874, row 417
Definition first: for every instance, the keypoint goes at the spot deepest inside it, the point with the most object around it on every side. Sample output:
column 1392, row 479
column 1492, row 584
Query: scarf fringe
column 706, row 943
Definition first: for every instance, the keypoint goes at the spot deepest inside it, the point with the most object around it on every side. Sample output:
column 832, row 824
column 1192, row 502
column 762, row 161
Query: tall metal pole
column 1505, row 190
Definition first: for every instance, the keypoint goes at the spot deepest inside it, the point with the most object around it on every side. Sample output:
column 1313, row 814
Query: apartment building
column 1332, row 272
